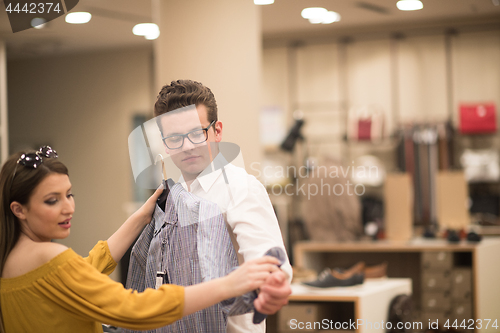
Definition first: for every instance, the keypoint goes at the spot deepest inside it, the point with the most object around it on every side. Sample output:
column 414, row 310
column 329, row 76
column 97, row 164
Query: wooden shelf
column 416, row 245
column 370, row 303
column 404, row 261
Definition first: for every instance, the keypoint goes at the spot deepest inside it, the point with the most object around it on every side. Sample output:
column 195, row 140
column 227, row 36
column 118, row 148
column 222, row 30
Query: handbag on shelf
column 366, row 123
column 478, row 118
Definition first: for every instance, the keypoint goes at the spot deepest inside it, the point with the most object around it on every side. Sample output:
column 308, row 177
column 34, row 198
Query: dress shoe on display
column 376, row 271
column 345, row 273
column 370, row 272
column 327, row 280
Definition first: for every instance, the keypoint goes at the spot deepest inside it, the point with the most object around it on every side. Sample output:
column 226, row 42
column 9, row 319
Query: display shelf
column 369, row 302
column 405, row 261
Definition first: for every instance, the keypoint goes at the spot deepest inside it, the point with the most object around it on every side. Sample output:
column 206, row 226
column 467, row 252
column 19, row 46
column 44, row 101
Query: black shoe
column 453, row 236
column 327, row 280
column 473, row 237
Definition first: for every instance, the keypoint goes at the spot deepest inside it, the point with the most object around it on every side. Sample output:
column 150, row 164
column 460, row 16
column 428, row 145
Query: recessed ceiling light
column 148, row 30
column 317, row 15
column 331, row 17
column 315, row 20
column 38, row 23
column 263, row 2
column 410, row 5
column 152, row 35
column 78, row 17
column 313, row 12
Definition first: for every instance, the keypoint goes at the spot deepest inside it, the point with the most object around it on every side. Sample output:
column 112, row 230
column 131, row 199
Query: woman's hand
column 250, row 276
column 121, row 240
column 147, row 209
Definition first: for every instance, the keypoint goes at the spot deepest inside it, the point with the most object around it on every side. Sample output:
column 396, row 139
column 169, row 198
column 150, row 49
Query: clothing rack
column 424, row 149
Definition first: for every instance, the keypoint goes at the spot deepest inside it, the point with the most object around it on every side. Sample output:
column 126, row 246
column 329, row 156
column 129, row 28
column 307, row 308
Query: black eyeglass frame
column 184, row 136
column 35, row 159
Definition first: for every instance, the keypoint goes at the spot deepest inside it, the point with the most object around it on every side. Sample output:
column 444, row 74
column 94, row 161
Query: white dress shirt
column 248, row 212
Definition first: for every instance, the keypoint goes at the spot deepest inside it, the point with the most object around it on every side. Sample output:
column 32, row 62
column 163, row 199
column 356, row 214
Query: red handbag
column 478, row 118
column 365, row 123
column 365, row 129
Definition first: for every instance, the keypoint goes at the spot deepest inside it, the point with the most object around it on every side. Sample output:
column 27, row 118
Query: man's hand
column 273, row 293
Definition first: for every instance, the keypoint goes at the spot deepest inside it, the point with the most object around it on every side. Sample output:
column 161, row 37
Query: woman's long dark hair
column 19, row 189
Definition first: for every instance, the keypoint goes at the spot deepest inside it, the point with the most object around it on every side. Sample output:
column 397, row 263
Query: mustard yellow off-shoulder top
column 74, row 294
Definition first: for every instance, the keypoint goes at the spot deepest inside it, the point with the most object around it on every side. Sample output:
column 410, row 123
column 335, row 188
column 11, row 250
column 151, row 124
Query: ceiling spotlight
column 313, row 12
column 148, row 30
column 410, row 5
column 263, row 2
column 78, row 17
column 315, row 20
column 38, row 23
column 152, row 35
column 330, row 17
column 317, row 15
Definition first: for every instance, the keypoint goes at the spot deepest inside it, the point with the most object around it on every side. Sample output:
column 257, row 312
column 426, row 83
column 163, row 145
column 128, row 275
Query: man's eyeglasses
column 196, row 137
column 34, row 160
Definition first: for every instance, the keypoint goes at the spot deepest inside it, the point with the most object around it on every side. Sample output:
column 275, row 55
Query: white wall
column 82, row 105
column 222, row 51
column 406, row 77
column 476, row 68
column 422, row 77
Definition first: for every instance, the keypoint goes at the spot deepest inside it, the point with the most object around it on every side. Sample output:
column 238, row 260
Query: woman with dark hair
column 47, row 287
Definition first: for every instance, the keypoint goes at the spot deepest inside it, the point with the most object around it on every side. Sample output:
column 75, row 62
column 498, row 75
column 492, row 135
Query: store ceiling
column 372, row 16
column 112, row 22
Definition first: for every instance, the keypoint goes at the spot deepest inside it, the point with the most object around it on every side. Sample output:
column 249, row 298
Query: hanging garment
column 404, row 154
column 185, row 245
column 426, row 154
column 424, row 181
column 409, row 155
column 433, row 168
column 401, row 151
column 443, row 153
column 250, row 218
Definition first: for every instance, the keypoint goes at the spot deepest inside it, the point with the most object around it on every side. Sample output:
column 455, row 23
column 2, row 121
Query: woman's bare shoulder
column 28, row 256
column 49, row 250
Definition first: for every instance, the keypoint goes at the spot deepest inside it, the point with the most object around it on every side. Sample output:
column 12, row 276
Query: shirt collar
column 208, row 176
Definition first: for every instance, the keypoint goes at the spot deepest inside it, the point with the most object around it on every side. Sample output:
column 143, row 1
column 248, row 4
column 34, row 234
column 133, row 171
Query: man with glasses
column 186, row 114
